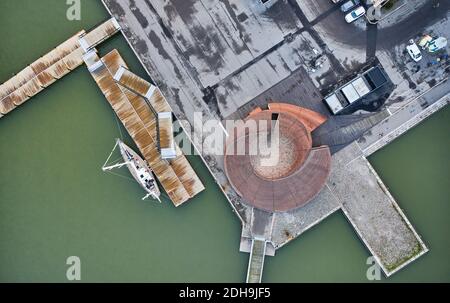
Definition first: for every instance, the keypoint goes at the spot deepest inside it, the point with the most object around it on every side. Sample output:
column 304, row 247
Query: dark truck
column 354, row 90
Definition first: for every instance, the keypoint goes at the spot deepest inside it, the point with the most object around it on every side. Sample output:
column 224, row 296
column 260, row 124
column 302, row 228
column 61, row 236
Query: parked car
column 355, row 14
column 437, row 44
column 349, row 5
column 414, row 51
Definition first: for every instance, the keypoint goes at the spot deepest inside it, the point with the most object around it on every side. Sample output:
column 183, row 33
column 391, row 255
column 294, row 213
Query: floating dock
column 40, row 74
column 52, row 66
column 135, row 102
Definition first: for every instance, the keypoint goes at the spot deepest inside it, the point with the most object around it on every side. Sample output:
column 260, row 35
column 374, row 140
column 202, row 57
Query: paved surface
column 335, row 26
column 373, row 212
column 184, row 46
column 256, row 261
column 145, row 26
column 402, row 120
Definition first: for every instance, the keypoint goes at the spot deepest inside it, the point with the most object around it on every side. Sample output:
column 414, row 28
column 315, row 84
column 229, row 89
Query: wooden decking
column 143, row 88
column 126, row 98
column 40, row 74
column 53, row 66
column 146, row 90
column 129, row 96
column 99, row 34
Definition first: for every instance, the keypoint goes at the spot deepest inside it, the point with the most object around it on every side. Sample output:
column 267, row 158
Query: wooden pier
column 99, row 34
column 159, row 106
column 40, row 74
column 52, row 66
column 135, row 102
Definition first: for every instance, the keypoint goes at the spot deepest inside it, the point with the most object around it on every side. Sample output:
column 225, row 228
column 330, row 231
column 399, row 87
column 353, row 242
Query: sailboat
column 139, row 169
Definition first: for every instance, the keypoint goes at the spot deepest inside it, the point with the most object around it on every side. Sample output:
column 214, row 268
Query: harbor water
column 55, row 202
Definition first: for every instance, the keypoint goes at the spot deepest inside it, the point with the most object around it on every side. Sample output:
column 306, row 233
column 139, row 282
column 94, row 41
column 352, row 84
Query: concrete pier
column 256, row 261
column 399, row 122
column 373, row 212
column 232, row 83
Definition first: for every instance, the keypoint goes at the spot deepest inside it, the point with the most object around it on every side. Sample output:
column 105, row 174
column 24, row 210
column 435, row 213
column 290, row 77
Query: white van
column 414, row 51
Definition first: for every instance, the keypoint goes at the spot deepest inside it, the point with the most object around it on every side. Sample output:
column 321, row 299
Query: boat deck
column 176, row 176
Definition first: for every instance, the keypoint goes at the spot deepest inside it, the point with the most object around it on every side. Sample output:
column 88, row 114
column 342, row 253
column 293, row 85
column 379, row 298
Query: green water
column 55, row 202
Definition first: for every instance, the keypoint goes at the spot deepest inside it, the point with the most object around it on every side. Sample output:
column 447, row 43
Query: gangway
column 256, row 261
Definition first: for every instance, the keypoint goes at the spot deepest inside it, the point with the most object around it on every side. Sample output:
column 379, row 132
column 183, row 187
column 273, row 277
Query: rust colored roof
column 299, row 172
column 309, row 118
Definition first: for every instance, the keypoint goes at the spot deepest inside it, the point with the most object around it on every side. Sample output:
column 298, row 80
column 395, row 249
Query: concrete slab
column 373, row 212
column 314, row 8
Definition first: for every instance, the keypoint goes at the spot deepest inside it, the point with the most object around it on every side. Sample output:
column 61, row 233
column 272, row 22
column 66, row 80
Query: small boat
column 139, row 169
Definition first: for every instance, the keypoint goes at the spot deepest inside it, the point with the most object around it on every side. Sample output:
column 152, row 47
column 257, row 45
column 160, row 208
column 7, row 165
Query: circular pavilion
column 271, row 162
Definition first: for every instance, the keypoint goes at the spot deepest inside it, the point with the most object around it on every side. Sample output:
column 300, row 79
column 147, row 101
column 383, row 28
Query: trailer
column 356, row 89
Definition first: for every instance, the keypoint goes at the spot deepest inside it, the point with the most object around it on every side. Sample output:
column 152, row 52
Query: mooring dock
column 40, row 74
column 135, row 102
column 53, row 66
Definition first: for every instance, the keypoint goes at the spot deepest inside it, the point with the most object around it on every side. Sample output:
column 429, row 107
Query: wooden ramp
column 177, row 176
column 256, row 262
column 99, row 34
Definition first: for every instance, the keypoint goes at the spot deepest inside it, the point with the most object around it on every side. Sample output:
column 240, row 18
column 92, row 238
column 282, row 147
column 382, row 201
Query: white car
column 355, row 14
column 414, row 51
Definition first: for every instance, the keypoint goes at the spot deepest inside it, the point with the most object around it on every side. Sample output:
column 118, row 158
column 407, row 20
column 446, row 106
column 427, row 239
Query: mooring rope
column 118, row 126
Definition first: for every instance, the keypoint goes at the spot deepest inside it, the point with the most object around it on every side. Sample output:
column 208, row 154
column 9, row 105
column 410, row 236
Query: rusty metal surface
column 304, row 178
column 310, row 119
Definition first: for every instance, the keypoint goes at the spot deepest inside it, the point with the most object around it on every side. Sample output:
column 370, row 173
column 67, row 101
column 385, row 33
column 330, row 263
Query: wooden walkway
column 40, row 74
column 53, row 66
column 127, row 95
column 99, row 34
column 136, row 102
column 158, row 104
column 256, row 262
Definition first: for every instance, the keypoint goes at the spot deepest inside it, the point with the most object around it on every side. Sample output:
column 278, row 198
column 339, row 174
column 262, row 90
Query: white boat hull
column 140, row 170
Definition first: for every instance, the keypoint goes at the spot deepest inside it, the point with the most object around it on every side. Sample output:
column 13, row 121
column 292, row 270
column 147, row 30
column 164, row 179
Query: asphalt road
column 385, row 38
column 413, row 25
